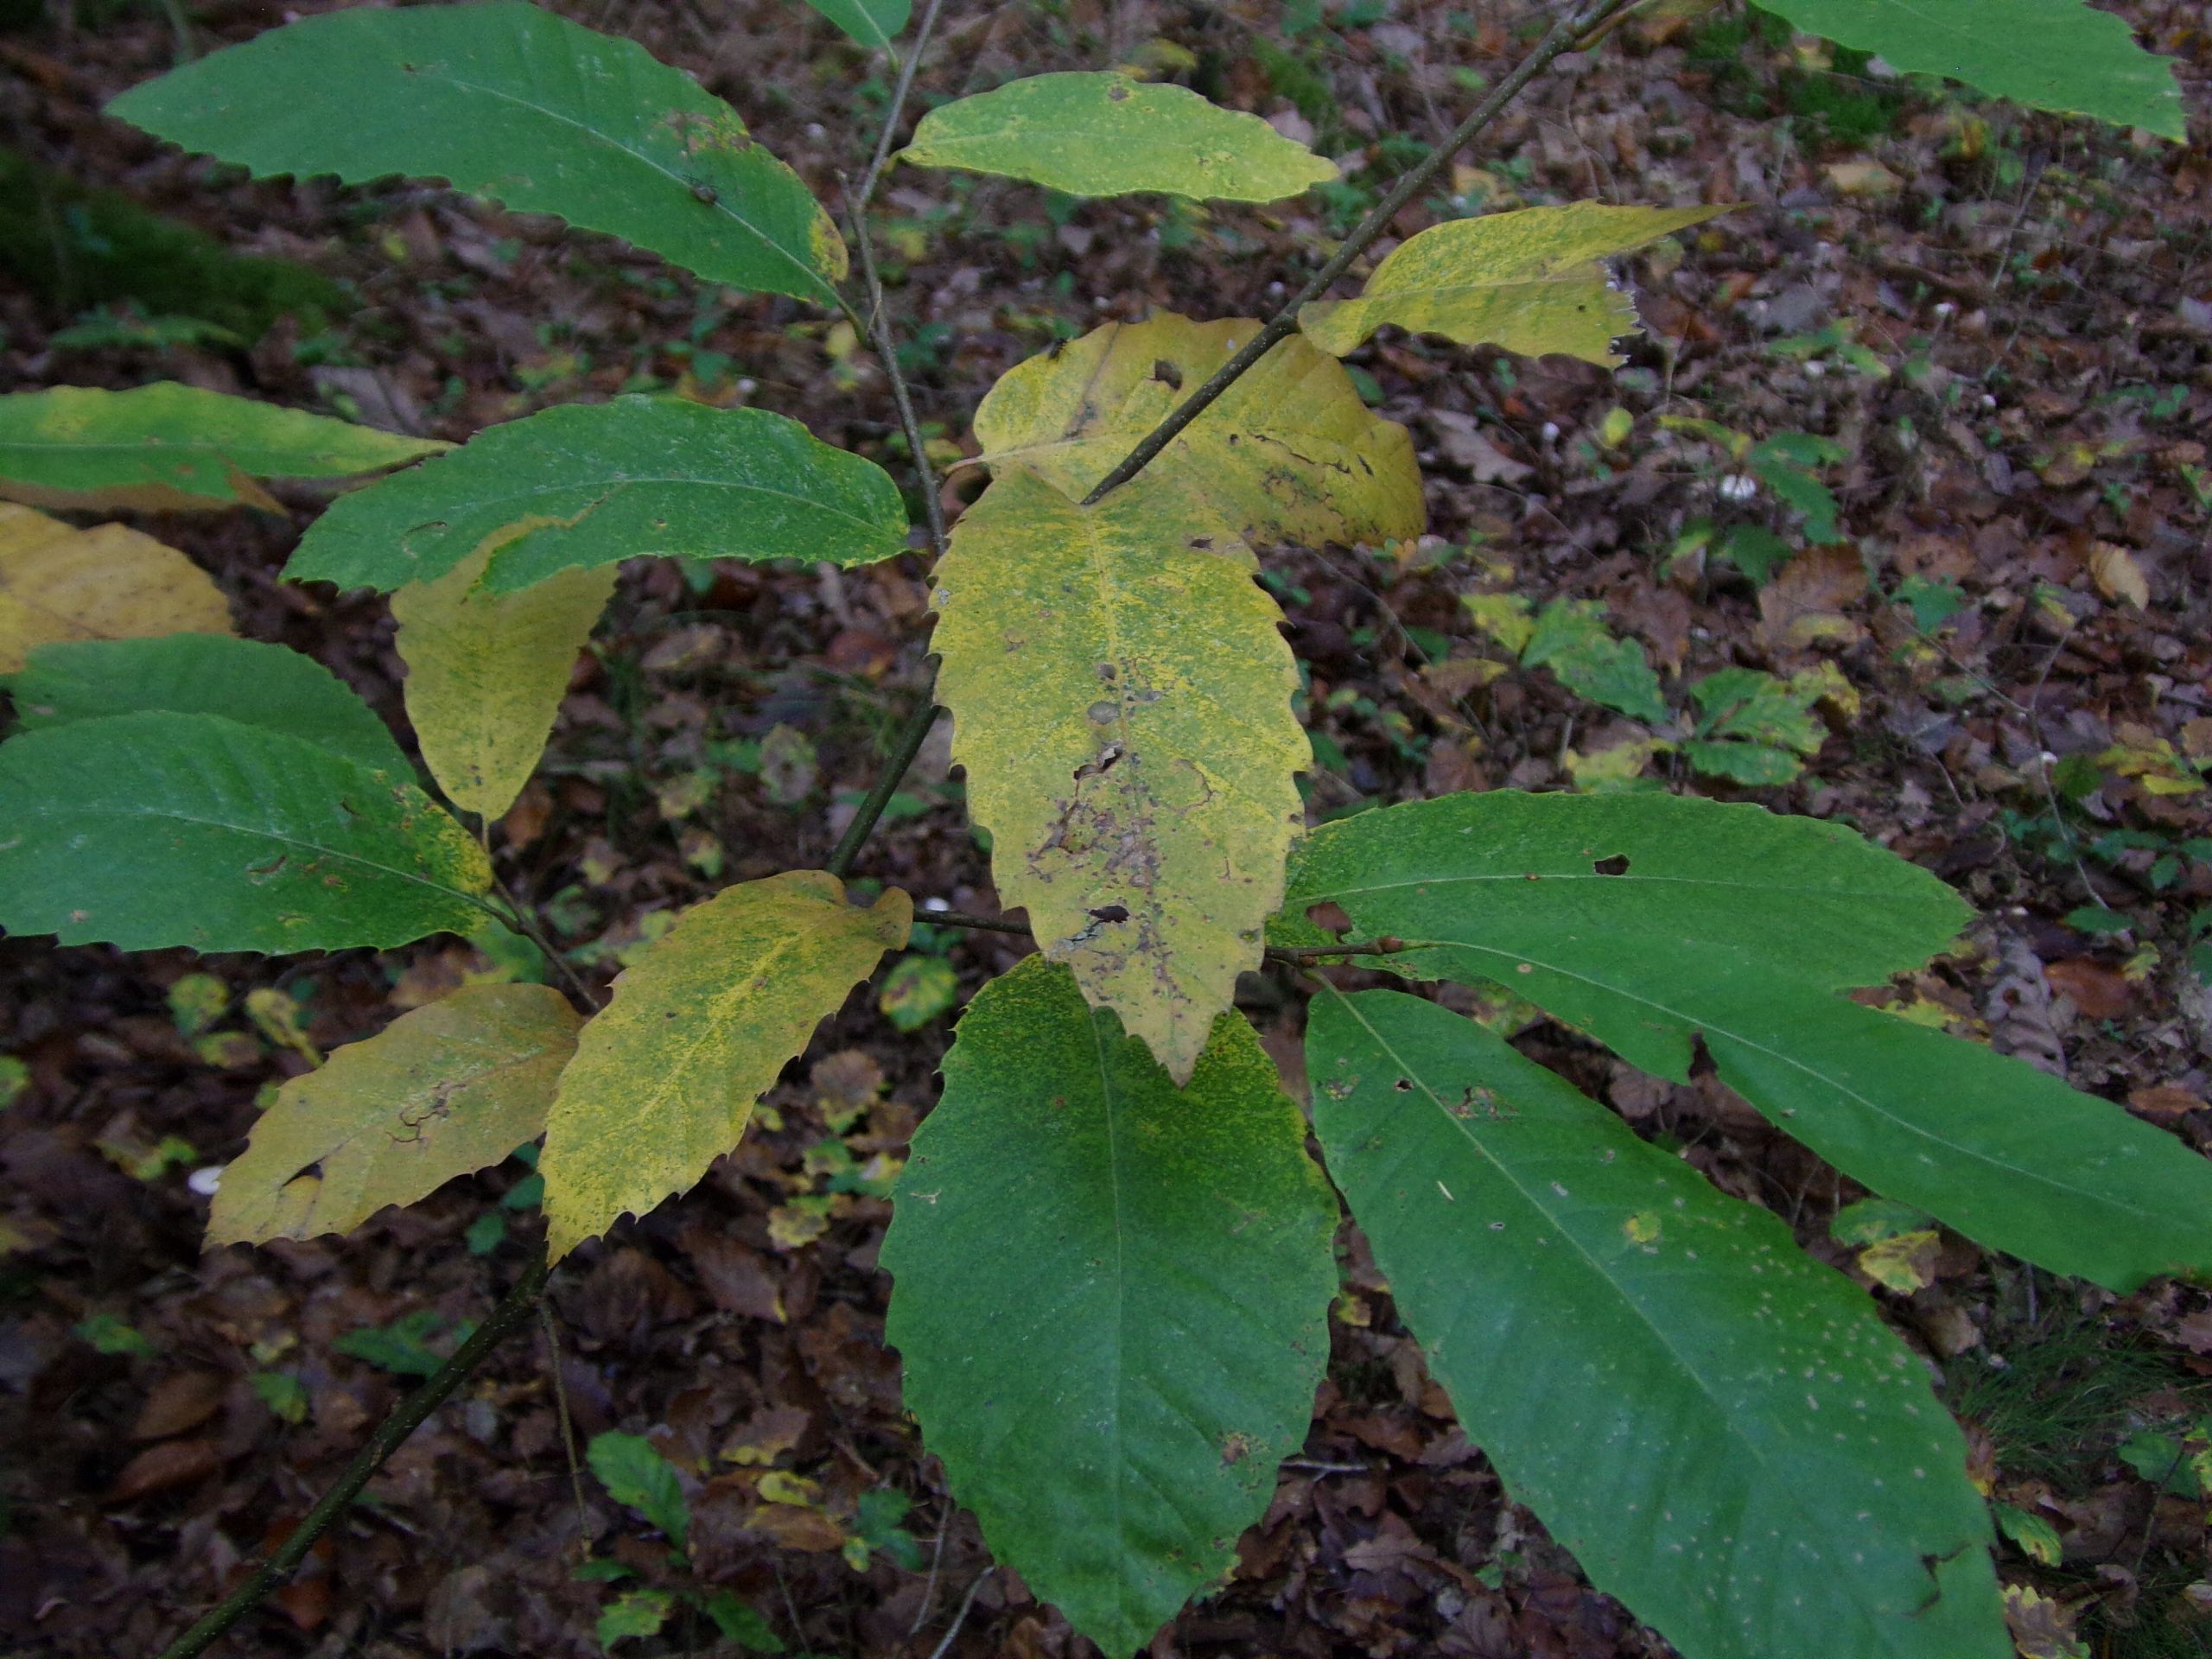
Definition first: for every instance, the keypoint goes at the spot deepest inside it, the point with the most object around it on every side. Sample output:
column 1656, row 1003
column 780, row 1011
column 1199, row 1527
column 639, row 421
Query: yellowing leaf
column 1288, row 452
column 666, row 1077
column 1528, row 281
column 485, row 672
column 1120, row 699
column 168, row 447
column 1102, row 134
column 61, row 583
column 448, row 1088
column 2118, row 576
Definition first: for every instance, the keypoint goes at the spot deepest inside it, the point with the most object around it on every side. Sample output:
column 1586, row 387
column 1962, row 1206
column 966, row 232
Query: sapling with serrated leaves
column 1111, row 1250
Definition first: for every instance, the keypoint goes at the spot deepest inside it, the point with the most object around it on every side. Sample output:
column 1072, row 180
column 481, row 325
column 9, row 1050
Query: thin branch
column 904, row 747
column 898, row 106
column 1560, row 39
column 506, row 1318
column 1385, row 946
column 886, row 351
column 960, row 1617
column 916, row 731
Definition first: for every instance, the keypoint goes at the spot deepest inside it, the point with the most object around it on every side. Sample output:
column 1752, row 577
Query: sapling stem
column 1560, row 39
column 512, row 1313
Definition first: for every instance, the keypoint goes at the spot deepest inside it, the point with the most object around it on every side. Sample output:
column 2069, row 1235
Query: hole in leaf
column 1404, row 1085
column 1110, row 913
column 1329, row 916
column 1617, row 865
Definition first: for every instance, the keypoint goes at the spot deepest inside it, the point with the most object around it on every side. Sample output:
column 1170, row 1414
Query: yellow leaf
column 448, row 1088
column 1288, row 452
column 1120, row 699
column 1904, row 1263
column 485, row 672
column 57, row 583
column 1530, row 282
column 665, row 1077
column 2116, row 575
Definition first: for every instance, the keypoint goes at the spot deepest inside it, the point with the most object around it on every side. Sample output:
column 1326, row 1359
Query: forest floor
column 1984, row 337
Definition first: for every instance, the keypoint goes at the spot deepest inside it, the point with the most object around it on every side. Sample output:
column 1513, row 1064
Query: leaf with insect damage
column 665, row 1077
column 1651, row 922
column 441, row 1092
column 1120, row 699
column 1288, row 452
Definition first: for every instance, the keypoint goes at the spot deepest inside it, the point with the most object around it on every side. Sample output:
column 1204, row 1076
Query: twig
column 916, row 731
column 960, row 1617
column 404, row 1419
column 905, row 84
column 886, row 351
column 1385, row 946
column 1560, row 40
column 904, row 749
column 568, row 1427
column 928, row 1585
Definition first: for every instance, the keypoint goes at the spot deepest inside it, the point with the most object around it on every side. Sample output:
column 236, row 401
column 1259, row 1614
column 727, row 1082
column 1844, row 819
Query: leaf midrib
column 819, row 284
column 1788, row 1489
column 1699, row 1022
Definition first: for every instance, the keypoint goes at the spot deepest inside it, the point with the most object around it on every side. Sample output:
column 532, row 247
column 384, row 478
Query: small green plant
column 1111, row 1247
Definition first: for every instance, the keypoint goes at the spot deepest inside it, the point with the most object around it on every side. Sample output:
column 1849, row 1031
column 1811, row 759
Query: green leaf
column 243, row 680
column 1105, row 134
column 151, row 830
column 586, row 485
column 665, row 1077
column 634, row 1613
column 441, row 1092
column 516, row 104
column 166, row 447
column 405, row 1346
column 636, row 1475
column 1122, row 701
column 1734, row 924
column 871, row 23
column 1529, row 281
column 1721, row 1429
column 738, row 1623
column 109, row 582
column 1752, row 765
column 2050, row 54
column 918, row 990
column 485, row 672
column 1571, row 639
column 1111, row 1295
column 1288, row 452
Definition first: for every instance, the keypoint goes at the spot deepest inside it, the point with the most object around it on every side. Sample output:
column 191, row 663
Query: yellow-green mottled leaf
column 666, row 1077
column 109, row 582
column 1102, row 134
column 1528, row 281
column 1288, row 452
column 1121, row 700
column 439, row 1092
column 485, row 672
column 166, row 447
